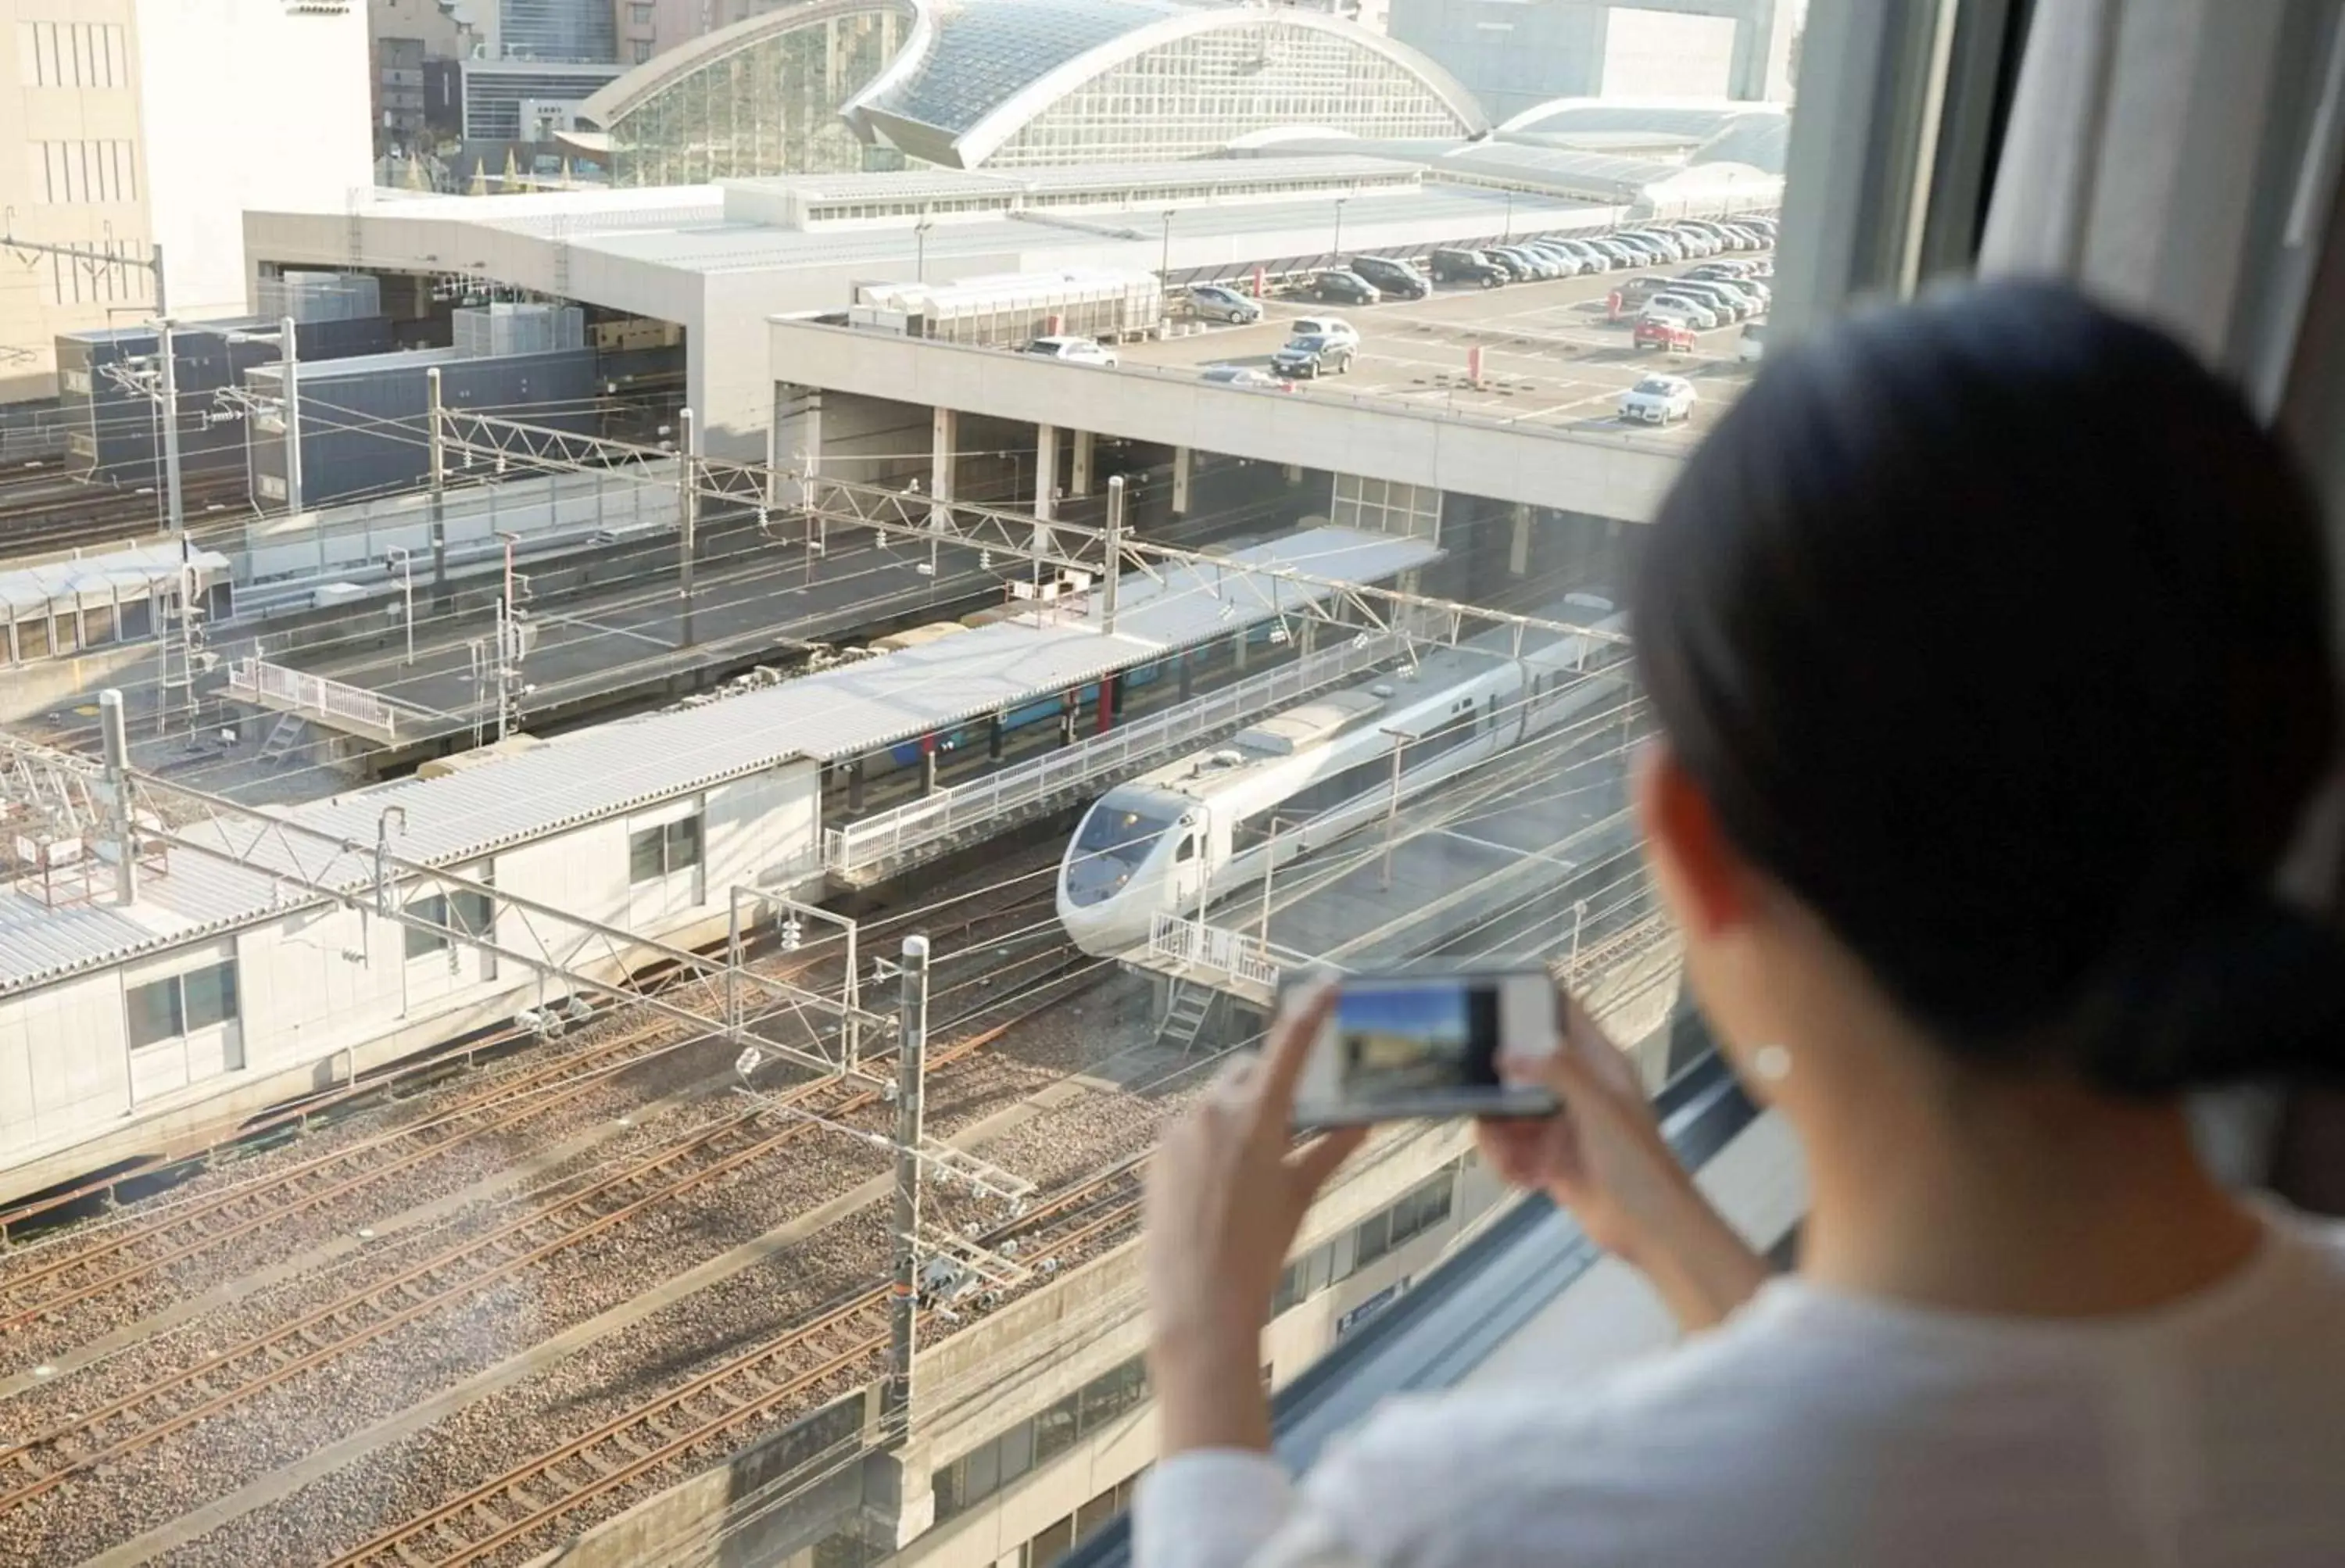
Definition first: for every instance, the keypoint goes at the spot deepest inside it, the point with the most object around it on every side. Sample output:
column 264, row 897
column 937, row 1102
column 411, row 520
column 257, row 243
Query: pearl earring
column 1772, row 1063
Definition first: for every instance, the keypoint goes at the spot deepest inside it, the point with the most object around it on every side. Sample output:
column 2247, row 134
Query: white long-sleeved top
column 1812, row 1428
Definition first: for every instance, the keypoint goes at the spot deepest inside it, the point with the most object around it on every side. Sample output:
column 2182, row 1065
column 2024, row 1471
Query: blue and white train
column 1176, row 839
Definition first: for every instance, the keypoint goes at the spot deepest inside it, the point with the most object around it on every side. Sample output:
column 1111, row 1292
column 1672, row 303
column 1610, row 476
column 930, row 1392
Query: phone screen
column 1427, row 1045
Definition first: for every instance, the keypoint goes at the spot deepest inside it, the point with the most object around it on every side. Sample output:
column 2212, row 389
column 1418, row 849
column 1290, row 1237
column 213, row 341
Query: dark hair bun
column 1996, row 629
column 2253, row 988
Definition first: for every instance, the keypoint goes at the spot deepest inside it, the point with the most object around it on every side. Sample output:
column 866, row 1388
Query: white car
column 1334, row 329
column 1658, row 399
column 1073, row 350
column 1753, row 343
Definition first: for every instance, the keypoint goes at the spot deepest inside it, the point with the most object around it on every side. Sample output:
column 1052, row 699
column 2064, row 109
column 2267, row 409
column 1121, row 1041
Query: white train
column 1181, row 836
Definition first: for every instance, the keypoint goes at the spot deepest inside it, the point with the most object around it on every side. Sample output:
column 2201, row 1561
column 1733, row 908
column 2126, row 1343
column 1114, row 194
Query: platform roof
column 138, row 567
column 637, row 763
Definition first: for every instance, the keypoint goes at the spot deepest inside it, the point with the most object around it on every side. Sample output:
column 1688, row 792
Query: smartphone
column 1425, row 1044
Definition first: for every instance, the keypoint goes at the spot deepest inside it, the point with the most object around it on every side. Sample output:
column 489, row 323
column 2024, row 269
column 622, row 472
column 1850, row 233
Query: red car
column 1657, row 334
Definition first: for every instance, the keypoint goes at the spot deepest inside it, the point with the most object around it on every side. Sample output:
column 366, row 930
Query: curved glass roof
column 984, row 53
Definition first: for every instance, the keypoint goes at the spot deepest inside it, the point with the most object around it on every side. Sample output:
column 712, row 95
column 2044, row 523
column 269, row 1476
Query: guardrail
column 886, row 836
column 1213, row 953
column 276, row 685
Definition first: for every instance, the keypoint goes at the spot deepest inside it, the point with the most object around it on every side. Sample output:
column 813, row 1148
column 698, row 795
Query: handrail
column 299, row 689
column 916, row 824
column 1193, row 945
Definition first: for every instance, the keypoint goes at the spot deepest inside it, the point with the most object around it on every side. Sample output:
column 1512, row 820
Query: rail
column 277, row 685
column 1211, row 950
column 887, row 835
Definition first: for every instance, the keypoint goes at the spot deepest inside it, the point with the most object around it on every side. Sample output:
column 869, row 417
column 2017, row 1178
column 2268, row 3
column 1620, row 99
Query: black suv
column 1394, row 279
column 1466, row 267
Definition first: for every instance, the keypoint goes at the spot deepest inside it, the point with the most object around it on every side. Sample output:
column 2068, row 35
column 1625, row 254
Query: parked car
column 1466, row 267
column 1622, row 254
column 1215, row 302
column 1661, row 333
column 1723, row 302
column 1758, row 295
column 1073, row 350
column 1568, row 263
column 1309, row 356
column 1337, row 286
column 1595, row 260
column 1695, row 243
column 1632, row 292
column 1649, row 250
column 1695, row 313
column 1395, row 280
column 1239, row 376
column 1332, row 327
column 1670, row 248
column 1520, row 263
column 1658, row 399
column 1754, row 342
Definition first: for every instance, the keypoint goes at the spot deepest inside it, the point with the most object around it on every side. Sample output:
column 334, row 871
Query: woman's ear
column 1706, row 884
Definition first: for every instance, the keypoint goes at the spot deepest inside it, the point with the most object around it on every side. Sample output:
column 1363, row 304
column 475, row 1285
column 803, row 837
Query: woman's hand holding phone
column 1603, row 1156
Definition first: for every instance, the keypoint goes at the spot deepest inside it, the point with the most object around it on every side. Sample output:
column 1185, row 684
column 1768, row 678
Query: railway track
column 716, row 1405
column 186, row 1231
column 191, row 1229
column 57, row 511
column 173, row 1402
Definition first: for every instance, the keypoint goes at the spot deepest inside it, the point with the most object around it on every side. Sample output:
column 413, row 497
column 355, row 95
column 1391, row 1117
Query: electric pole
column 904, row 1317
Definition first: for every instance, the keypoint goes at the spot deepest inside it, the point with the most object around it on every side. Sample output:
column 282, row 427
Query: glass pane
column 683, row 843
column 97, row 627
column 950, row 1496
column 647, row 855
column 32, row 639
column 153, row 1012
column 1052, row 1543
column 211, row 996
column 1372, row 1240
column 421, row 939
column 1017, row 1451
column 983, row 1473
column 1054, row 1431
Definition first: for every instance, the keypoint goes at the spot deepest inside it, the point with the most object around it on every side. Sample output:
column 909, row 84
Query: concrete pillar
column 944, row 449
column 1294, row 473
column 1078, row 483
column 1519, row 547
column 994, row 731
column 929, row 766
column 854, row 784
column 1304, row 643
column 1046, row 469
column 1238, row 650
column 1069, row 706
column 1183, row 459
column 1188, row 668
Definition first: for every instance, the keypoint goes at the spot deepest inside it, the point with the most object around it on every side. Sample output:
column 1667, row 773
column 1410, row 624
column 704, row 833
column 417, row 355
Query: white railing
column 1213, row 954
column 885, row 835
column 303, row 692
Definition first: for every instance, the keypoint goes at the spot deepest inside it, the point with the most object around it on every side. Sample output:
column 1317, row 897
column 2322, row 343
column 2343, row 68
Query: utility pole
column 405, row 559
column 687, row 510
column 116, row 743
column 293, row 354
column 1109, row 588
column 437, row 427
column 904, row 1315
column 153, row 265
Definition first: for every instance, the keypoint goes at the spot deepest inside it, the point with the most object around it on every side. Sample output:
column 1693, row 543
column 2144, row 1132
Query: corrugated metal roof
column 633, row 763
column 29, row 587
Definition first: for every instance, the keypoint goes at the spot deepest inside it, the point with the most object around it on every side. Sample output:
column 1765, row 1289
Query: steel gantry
column 311, row 866
column 1036, row 541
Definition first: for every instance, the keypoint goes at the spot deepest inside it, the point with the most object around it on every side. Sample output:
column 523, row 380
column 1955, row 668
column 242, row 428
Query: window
column 988, row 1468
column 32, row 639
column 179, row 1005
column 475, row 917
column 654, row 852
column 72, row 54
column 78, row 172
column 641, row 49
column 641, row 15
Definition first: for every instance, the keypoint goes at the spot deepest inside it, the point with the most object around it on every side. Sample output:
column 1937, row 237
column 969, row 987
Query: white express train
column 1181, row 836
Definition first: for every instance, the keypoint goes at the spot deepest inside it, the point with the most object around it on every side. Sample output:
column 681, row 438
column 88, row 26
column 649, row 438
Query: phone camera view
column 1399, row 1047
column 1392, row 1041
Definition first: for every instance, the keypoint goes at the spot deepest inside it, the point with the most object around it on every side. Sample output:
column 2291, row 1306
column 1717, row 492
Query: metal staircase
column 1186, row 1013
column 284, row 737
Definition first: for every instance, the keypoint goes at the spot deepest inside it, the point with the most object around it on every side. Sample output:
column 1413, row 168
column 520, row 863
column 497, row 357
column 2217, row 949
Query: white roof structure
column 99, row 578
column 636, row 763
